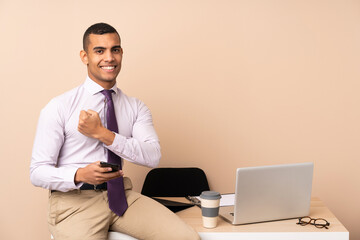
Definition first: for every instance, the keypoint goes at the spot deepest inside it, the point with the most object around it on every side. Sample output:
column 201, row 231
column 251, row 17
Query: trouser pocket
column 52, row 208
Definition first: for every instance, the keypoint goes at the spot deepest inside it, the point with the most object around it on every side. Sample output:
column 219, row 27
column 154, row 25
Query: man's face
column 103, row 58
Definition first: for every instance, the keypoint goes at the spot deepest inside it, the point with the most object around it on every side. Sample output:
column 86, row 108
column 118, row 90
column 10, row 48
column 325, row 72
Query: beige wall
column 230, row 84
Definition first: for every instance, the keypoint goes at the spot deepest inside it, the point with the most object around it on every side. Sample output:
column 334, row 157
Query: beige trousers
column 85, row 215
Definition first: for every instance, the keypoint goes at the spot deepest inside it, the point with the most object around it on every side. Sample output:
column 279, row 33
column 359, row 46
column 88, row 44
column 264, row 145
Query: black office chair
column 175, row 182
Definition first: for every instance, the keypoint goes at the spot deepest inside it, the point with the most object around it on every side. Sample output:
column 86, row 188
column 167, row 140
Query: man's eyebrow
column 98, row 48
column 103, row 48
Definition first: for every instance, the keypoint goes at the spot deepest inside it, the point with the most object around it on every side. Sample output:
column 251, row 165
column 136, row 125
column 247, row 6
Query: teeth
column 108, row 68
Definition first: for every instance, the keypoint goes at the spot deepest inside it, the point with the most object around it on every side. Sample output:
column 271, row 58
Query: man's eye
column 116, row 50
column 99, row 51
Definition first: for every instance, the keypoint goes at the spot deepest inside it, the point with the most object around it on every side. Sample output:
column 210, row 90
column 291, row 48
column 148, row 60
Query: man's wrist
column 78, row 176
column 106, row 136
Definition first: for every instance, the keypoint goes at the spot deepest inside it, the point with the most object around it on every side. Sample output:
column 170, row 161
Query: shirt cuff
column 69, row 179
column 64, row 183
column 117, row 145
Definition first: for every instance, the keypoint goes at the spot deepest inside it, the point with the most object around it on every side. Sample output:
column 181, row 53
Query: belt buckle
column 95, row 189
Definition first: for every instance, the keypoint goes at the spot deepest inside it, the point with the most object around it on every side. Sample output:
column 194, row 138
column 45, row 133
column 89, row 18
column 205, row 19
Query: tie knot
column 107, row 94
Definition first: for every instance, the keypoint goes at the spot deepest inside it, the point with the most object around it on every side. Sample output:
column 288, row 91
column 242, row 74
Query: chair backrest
column 175, row 182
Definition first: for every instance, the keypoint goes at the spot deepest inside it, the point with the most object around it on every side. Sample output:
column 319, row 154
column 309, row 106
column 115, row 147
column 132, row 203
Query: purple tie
column 115, row 187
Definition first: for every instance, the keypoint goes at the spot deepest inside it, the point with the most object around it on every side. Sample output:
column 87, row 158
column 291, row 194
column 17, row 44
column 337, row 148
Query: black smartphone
column 114, row 167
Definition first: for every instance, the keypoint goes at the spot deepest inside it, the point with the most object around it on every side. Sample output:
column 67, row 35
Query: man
column 96, row 122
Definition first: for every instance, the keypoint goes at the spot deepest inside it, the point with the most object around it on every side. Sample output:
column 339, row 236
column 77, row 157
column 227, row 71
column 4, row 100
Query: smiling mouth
column 108, row 68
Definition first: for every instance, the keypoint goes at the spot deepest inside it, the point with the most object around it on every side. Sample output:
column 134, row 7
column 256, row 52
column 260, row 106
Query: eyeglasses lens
column 305, row 220
column 321, row 223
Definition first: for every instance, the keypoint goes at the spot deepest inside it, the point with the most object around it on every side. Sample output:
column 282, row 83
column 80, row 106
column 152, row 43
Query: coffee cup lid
column 211, row 195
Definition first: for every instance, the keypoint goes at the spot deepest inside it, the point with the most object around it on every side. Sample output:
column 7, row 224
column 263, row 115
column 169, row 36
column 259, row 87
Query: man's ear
column 84, row 58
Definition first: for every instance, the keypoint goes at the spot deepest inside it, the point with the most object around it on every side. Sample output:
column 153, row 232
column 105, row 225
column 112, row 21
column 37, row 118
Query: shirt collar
column 95, row 88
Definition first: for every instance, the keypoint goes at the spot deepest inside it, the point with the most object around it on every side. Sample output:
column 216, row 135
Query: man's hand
column 90, row 125
column 95, row 174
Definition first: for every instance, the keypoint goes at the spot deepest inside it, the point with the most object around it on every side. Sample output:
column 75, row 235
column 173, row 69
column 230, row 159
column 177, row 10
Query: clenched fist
column 90, row 125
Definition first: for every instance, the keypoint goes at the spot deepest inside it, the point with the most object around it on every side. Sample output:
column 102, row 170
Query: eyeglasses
column 194, row 200
column 317, row 222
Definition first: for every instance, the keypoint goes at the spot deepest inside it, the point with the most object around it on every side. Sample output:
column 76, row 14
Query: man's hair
column 98, row 29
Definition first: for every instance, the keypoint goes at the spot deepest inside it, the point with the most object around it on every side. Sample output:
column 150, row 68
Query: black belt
column 87, row 186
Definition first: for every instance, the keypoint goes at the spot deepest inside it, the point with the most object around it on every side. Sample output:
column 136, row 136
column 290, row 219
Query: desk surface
column 285, row 229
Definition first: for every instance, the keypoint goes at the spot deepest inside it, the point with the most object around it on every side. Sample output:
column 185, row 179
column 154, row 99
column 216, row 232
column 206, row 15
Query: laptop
column 270, row 193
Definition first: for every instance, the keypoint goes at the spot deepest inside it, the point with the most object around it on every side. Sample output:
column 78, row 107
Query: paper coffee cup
column 210, row 202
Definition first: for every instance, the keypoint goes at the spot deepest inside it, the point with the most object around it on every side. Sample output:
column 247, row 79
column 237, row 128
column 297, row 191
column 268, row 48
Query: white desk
column 277, row 230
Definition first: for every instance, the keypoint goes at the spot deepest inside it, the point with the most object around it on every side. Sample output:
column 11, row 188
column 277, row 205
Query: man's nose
column 109, row 57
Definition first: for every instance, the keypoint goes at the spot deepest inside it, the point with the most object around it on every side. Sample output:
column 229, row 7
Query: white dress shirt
column 60, row 149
